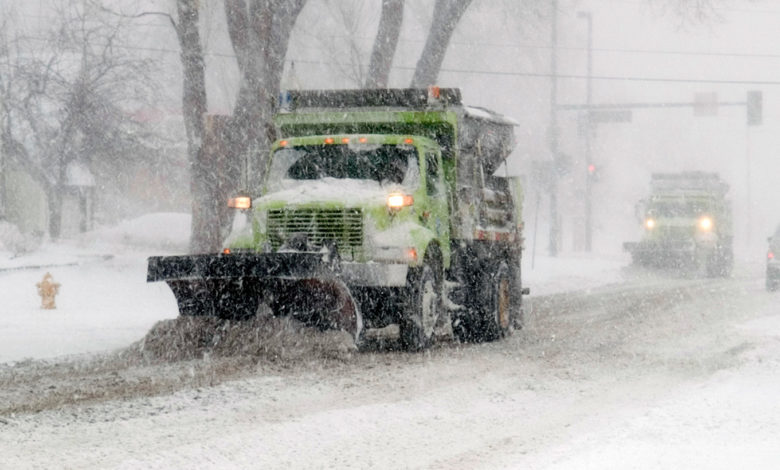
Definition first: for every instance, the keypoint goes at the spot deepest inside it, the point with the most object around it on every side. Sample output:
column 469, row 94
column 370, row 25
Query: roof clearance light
column 649, row 224
column 408, row 140
column 240, row 202
column 329, row 140
column 396, row 201
column 705, row 223
column 283, row 143
column 345, row 140
column 362, row 140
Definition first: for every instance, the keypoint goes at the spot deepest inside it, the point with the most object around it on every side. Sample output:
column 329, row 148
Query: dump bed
column 439, row 115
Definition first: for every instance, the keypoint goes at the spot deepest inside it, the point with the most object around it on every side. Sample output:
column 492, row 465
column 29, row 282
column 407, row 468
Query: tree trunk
column 54, row 206
column 259, row 32
column 446, row 15
column 385, row 44
column 205, row 229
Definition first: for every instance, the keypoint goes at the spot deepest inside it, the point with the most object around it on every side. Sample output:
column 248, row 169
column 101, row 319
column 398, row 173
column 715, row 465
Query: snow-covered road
column 677, row 374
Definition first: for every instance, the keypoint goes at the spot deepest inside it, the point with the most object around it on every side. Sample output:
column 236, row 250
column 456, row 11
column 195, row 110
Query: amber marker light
column 329, row 140
column 226, row 251
column 283, row 143
column 408, row 140
column 345, row 140
column 396, row 201
column 240, row 202
column 362, row 140
column 411, row 254
column 705, row 223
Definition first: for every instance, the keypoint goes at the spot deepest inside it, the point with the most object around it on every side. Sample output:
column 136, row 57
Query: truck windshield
column 681, row 208
column 381, row 163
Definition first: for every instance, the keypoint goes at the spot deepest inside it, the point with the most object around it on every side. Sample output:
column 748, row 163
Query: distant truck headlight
column 649, row 223
column 705, row 224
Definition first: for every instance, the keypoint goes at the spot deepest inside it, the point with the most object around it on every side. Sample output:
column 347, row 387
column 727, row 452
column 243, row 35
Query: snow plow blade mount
column 232, row 286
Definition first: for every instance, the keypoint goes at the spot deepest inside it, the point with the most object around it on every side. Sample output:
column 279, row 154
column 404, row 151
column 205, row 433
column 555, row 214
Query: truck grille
column 676, row 232
column 342, row 226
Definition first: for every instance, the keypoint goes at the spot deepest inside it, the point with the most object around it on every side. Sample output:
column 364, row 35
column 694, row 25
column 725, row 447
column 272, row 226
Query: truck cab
column 379, row 201
column 686, row 224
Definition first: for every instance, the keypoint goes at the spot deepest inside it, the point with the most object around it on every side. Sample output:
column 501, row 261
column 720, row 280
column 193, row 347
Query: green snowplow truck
column 686, row 224
column 378, row 207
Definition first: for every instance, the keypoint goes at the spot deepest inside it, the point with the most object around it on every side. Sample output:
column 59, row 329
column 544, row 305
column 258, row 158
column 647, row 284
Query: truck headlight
column 240, row 202
column 705, row 224
column 396, row 201
column 649, row 223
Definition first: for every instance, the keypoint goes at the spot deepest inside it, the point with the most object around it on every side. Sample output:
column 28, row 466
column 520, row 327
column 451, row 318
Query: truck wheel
column 498, row 306
column 422, row 307
column 720, row 264
column 489, row 316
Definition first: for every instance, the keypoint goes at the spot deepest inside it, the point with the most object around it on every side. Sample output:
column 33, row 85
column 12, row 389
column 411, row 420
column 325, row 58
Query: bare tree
column 64, row 99
column 259, row 32
column 385, row 43
column 446, row 15
column 203, row 181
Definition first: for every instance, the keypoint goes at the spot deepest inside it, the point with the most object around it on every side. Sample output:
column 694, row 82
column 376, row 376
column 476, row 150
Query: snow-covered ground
column 104, row 302
column 690, row 385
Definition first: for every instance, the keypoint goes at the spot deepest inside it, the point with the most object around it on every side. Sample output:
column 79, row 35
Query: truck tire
column 497, row 305
column 422, row 306
column 491, row 311
column 720, row 264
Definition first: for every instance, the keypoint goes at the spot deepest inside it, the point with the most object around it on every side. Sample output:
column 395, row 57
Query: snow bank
column 164, row 230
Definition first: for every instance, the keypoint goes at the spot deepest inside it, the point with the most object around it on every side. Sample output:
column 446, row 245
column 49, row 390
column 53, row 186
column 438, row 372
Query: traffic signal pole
column 553, row 176
column 588, row 134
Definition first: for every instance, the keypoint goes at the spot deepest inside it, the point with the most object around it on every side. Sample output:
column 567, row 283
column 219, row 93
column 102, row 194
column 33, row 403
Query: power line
column 623, row 78
column 519, row 46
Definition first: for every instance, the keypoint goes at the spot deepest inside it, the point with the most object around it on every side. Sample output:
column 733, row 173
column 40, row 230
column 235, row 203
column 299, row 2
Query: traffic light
column 593, row 172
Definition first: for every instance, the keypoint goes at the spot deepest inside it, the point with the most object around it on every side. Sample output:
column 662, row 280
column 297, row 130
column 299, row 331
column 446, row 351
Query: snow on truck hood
column 350, row 192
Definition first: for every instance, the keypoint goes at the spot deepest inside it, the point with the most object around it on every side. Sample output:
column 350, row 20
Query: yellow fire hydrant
column 47, row 289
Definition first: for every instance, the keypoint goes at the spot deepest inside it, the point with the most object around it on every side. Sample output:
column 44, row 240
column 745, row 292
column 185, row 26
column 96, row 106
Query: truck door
column 436, row 215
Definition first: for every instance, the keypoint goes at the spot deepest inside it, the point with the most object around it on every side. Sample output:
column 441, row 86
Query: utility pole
column 552, row 173
column 588, row 136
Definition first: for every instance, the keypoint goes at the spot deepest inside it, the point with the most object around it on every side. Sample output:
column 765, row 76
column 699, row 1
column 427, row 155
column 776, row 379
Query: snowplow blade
column 232, row 286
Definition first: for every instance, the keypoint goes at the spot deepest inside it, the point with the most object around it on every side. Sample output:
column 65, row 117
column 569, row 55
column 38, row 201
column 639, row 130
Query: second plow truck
column 686, row 223
column 379, row 207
